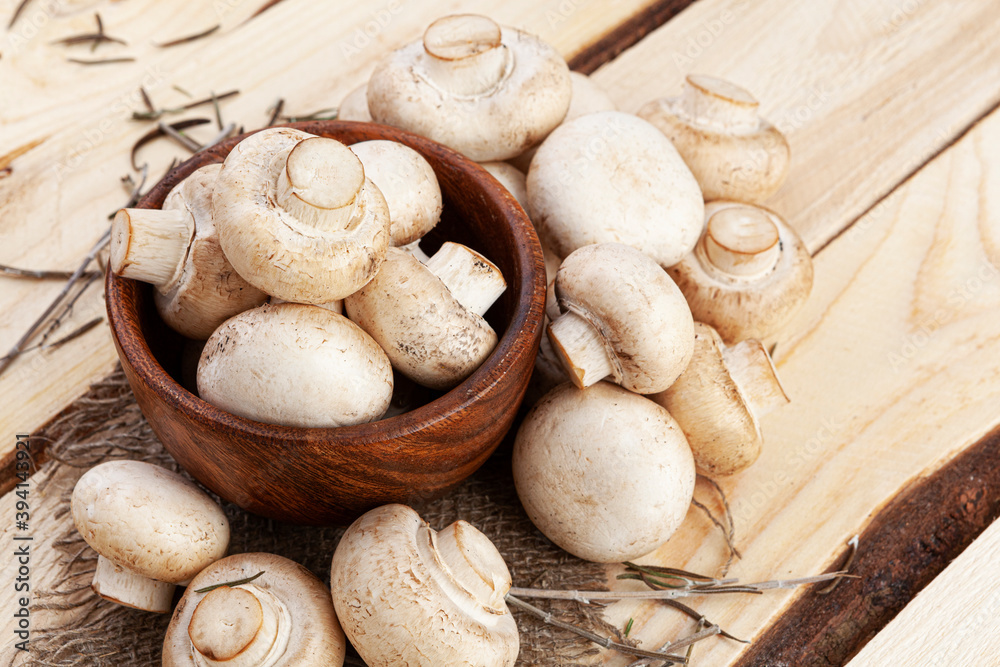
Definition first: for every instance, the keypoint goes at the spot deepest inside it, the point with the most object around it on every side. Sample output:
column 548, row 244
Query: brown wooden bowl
column 331, row 475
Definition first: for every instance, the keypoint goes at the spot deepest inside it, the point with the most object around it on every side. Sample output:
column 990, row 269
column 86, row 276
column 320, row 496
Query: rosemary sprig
column 322, row 114
column 17, row 13
column 230, row 584
column 95, row 38
column 39, row 274
column 101, row 61
column 157, row 133
column 155, row 114
column 189, row 38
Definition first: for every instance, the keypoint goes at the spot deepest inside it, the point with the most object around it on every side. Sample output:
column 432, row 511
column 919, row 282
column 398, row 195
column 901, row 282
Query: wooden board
column 893, row 372
column 968, row 595
column 55, row 203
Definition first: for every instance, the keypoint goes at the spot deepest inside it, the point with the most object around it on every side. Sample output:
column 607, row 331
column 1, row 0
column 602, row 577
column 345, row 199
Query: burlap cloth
column 107, row 424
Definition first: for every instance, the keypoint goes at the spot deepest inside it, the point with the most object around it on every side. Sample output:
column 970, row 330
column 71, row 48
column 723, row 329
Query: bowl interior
column 419, row 453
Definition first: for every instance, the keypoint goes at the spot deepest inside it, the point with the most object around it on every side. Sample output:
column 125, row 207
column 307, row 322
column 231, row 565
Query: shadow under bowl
column 331, row 475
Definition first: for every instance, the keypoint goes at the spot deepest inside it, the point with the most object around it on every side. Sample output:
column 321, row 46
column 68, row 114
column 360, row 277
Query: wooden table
column 893, row 367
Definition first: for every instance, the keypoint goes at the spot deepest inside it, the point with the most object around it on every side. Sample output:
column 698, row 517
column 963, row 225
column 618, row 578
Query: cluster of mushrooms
column 665, row 274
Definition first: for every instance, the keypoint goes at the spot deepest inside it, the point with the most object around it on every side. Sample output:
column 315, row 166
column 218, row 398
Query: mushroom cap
column 641, row 316
column 355, row 106
column 426, row 333
column 208, row 290
column 149, row 520
column 409, row 185
column 296, row 365
column 530, row 99
column 746, row 307
column 715, row 415
column 275, row 251
column 746, row 163
column 610, row 177
column 604, row 473
column 511, row 178
column 403, row 601
column 315, row 637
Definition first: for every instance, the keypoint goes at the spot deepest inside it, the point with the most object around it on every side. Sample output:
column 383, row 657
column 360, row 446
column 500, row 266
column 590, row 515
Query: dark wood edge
column 906, row 545
column 626, row 35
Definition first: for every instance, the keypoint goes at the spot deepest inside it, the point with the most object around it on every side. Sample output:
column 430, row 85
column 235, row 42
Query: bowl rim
column 132, row 344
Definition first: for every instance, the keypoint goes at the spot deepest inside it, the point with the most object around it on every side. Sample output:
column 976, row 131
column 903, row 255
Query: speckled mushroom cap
column 150, row 522
column 604, row 473
column 355, row 106
column 409, row 595
column 409, row 185
column 486, row 91
column 719, row 398
column 283, row 618
column 296, row 365
column 427, row 333
column 732, row 151
column 297, row 218
column 749, row 273
column 610, row 177
column 640, row 318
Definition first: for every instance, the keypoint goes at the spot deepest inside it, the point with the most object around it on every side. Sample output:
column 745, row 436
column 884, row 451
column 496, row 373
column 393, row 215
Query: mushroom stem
column 242, row 626
column 150, row 245
column 752, row 370
column 581, row 349
column 719, row 104
column 116, row 584
column 473, row 280
column 475, row 563
column 465, row 55
column 320, row 183
column 415, row 250
column 742, row 241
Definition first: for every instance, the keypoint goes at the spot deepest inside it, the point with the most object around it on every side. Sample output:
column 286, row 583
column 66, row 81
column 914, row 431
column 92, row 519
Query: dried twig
column 275, row 111
column 155, row 114
column 728, row 531
column 322, row 114
column 156, row 133
column 17, row 12
column 848, row 562
column 238, row 582
column 189, row 38
column 95, row 38
column 37, row 274
column 101, row 61
column 182, row 140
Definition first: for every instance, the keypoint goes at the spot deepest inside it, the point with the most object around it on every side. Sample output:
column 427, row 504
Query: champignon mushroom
column 428, row 317
column 297, row 217
column 732, row 151
column 407, row 182
column 151, row 528
column 282, row 618
column 409, row 595
column 486, row 91
column 621, row 315
column 748, row 275
column 296, row 365
column 604, row 473
column 587, row 97
column 176, row 248
column 355, row 106
column 613, row 177
column 719, row 399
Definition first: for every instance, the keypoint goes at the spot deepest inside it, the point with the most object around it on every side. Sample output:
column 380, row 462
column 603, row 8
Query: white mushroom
column 282, row 617
column 296, row 365
column 176, row 248
column 152, row 530
column 297, row 217
column 612, row 177
column 621, row 316
column 409, row 595
column 748, row 275
column 719, row 399
column 604, row 473
column 428, row 318
column 407, row 182
column 355, row 106
column 732, row 151
column 486, row 91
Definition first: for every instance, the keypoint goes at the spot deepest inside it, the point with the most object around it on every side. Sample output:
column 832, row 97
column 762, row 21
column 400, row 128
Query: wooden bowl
column 332, row 475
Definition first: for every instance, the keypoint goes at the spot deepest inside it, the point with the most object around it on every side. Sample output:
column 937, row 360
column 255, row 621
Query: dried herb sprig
column 155, row 114
column 156, row 133
column 230, row 584
column 95, row 38
column 101, row 61
column 322, row 114
column 17, row 13
column 188, row 38
column 39, row 274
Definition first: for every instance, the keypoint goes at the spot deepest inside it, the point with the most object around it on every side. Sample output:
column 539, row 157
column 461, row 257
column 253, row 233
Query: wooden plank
column 54, row 205
column 954, row 621
column 892, row 374
column 904, row 548
column 865, row 91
